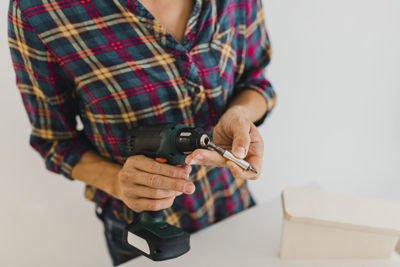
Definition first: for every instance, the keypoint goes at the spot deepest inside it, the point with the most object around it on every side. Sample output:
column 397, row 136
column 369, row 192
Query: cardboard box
column 323, row 225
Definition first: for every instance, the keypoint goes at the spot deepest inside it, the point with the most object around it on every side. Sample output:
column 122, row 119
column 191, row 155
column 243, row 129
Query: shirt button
column 197, row 90
column 187, row 57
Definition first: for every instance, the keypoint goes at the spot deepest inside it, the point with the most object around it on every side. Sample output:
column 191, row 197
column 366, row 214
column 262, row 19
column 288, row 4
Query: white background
column 336, row 71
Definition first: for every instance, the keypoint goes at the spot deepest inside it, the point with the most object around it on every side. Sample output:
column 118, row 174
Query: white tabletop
column 251, row 238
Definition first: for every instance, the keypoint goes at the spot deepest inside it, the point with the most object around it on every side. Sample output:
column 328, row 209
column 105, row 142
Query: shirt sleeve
column 256, row 57
column 48, row 96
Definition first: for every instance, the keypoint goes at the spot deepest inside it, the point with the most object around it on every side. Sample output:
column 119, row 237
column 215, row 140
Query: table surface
column 251, row 237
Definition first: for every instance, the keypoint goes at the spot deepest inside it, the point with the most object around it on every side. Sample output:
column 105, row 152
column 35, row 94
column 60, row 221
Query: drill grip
column 159, row 214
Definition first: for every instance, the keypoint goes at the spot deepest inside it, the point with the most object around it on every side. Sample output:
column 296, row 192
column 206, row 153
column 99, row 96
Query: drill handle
column 153, row 215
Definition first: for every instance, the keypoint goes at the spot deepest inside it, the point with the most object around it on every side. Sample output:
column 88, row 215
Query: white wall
column 337, row 124
column 336, row 69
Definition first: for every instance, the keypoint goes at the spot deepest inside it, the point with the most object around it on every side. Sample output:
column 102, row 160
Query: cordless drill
column 166, row 143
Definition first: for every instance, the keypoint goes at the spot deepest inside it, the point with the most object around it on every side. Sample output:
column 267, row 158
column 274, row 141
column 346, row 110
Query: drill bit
column 228, row 155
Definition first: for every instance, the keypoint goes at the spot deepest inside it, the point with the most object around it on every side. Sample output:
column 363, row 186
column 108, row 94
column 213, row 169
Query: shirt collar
column 151, row 23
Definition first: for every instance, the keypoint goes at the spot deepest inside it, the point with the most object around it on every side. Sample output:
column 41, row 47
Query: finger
column 254, row 157
column 256, row 161
column 240, row 173
column 241, row 138
column 146, row 204
column 206, row 157
column 165, row 183
column 151, row 166
column 148, row 192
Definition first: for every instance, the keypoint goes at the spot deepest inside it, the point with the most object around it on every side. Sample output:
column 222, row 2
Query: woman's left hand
column 236, row 133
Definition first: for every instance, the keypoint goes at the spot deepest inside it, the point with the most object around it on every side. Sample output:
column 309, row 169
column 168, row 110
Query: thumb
column 241, row 139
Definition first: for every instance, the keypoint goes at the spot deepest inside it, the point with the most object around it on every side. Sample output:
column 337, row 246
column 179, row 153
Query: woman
column 122, row 63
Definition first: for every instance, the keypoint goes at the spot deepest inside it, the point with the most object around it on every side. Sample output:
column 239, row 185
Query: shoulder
column 234, row 11
column 233, row 5
column 26, row 5
column 31, row 11
column 40, row 15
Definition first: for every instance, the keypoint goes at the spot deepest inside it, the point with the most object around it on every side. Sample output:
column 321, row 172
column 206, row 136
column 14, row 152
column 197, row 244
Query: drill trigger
column 161, row 160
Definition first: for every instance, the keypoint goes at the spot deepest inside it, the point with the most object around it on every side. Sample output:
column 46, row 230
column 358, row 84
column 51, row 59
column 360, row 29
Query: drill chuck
column 190, row 139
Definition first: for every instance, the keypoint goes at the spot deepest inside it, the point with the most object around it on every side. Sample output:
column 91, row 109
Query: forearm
column 251, row 103
column 92, row 169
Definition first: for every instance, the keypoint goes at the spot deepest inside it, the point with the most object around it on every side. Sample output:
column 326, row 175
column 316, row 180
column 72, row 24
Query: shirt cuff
column 60, row 156
column 269, row 95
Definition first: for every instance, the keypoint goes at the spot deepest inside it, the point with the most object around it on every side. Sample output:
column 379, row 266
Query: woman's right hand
column 147, row 185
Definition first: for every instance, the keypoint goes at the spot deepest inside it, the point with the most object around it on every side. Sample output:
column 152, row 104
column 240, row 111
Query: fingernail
column 240, row 152
column 189, row 188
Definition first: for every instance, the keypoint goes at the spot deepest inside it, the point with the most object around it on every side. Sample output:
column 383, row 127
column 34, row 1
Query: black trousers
column 113, row 230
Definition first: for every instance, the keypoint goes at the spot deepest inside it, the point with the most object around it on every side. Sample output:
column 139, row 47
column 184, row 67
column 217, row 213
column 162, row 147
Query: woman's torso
column 129, row 71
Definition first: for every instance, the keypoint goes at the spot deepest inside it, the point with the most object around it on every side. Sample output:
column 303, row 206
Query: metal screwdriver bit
column 228, row 155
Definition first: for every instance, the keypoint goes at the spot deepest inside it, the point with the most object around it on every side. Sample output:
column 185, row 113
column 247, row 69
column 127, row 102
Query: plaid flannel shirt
column 115, row 66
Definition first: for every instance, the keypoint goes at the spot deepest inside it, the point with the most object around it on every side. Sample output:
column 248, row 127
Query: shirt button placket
column 188, row 57
column 192, row 84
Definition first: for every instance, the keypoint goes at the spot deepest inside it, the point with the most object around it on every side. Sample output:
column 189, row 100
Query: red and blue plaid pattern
column 115, row 66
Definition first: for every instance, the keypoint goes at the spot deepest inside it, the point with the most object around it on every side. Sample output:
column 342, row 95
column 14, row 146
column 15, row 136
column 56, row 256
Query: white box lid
column 304, row 205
